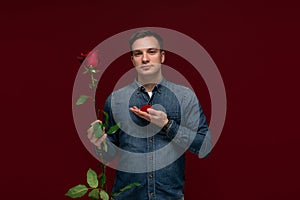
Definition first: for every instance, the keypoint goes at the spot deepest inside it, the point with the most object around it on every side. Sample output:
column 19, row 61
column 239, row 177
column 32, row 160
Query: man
column 159, row 120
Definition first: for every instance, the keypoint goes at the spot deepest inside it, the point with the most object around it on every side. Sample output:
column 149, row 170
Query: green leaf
column 77, row 191
column 114, row 194
column 94, row 194
column 92, row 179
column 113, row 129
column 102, row 180
column 81, row 99
column 86, row 70
column 125, row 188
column 129, row 186
column 98, row 129
column 104, row 195
column 105, row 114
column 104, row 146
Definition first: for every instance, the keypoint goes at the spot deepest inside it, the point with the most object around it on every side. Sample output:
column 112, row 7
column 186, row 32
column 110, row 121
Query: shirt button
column 150, row 176
column 150, row 140
column 151, row 157
column 151, row 193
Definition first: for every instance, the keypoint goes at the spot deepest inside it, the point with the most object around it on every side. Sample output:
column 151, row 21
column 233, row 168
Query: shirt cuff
column 170, row 129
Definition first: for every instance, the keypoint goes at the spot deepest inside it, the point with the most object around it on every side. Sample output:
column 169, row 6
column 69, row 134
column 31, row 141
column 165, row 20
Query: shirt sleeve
column 193, row 132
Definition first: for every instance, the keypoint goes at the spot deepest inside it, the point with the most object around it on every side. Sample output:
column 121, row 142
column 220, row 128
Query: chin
column 148, row 73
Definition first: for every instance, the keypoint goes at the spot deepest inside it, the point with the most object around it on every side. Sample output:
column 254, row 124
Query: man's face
column 147, row 57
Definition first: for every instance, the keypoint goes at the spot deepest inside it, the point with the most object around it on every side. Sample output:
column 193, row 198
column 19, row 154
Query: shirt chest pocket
column 174, row 115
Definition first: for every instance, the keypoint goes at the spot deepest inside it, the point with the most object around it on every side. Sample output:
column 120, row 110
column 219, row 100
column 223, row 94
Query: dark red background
column 255, row 44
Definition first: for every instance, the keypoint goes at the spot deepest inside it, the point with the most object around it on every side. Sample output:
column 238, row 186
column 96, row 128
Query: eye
column 152, row 51
column 137, row 53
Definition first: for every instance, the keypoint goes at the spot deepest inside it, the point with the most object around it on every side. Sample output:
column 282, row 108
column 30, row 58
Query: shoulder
column 184, row 94
column 179, row 89
column 122, row 92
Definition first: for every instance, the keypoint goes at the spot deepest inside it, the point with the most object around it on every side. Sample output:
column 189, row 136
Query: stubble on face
column 147, row 58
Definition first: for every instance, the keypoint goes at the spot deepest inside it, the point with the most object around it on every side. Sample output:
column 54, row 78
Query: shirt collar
column 140, row 87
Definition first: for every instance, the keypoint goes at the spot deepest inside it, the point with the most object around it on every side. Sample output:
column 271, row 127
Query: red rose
column 92, row 58
column 85, row 54
column 82, row 56
column 145, row 107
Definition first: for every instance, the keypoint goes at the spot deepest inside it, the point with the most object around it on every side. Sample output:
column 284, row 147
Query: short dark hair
column 145, row 33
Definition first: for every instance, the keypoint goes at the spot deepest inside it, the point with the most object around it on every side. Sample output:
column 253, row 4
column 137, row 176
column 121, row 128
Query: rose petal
column 145, row 107
column 93, row 59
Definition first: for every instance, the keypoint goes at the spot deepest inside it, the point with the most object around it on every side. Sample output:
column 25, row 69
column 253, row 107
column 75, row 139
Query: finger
column 134, row 108
column 152, row 111
column 90, row 132
column 142, row 114
column 93, row 139
column 99, row 141
column 99, row 121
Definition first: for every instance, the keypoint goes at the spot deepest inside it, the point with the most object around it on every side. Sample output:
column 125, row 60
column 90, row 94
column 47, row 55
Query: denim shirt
column 188, row 130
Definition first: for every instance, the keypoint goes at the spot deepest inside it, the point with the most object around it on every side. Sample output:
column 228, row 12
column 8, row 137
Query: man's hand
column 91, row 135
column 156, row 117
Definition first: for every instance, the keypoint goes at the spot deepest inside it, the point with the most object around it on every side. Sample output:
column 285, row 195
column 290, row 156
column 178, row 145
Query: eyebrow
column 151, row 48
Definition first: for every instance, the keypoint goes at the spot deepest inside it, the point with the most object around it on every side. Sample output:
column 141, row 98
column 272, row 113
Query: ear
column 132, row 60
column 162, row 56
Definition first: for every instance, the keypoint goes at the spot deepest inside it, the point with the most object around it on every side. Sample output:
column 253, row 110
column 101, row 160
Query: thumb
column 151, row 111
column 99, row 121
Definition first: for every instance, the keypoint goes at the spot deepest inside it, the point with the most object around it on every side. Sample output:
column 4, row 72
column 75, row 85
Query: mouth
column 145, row 67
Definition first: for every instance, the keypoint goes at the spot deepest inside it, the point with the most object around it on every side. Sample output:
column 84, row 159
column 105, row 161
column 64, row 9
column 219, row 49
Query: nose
column 145, row 58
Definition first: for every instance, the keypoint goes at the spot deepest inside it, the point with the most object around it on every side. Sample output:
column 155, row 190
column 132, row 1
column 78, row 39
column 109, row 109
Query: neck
column 149, row 82
column 149, row 87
